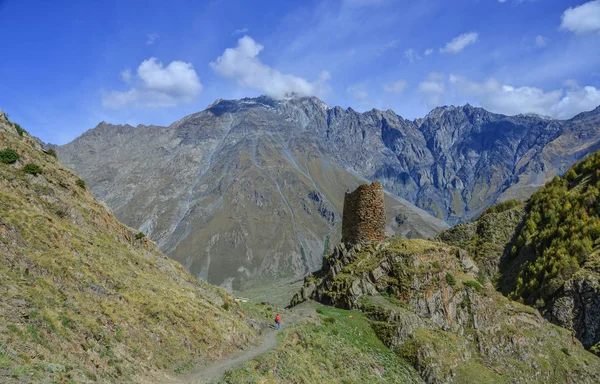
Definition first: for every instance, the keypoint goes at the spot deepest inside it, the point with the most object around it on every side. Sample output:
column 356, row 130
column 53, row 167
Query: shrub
column 540, row 303
column 20, row 130
column 226, row 306
column 450, row 279
column 140, row 235
column 401, row 218
column 473, row 285
column 329, row 320
column 32, row 169
column 80, row 183
column 8, row 156
column 320, row 311
column 52, row 152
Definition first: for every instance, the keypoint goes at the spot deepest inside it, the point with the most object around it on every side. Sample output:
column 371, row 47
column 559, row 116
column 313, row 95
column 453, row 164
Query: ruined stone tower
column 364, row 215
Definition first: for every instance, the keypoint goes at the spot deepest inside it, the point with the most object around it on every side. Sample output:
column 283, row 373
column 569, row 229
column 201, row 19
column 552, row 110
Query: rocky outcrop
column 364, row 217
column 576, row 306
column 426, row 303
column 488, row 238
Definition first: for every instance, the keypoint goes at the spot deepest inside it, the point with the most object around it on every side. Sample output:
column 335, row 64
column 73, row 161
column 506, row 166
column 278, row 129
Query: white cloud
column 243, row 65
column 502, row 98
column 459, row 43
column 396, row 87
column 156, row 86
column 433, row 89
column 126, row 75
column 541, row 41
column 428, row 51
column 411, row 55
column 582, row 19
column 151, row 38
column 240, row 31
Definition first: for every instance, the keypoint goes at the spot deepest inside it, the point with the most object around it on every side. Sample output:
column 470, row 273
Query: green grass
column 331, row 346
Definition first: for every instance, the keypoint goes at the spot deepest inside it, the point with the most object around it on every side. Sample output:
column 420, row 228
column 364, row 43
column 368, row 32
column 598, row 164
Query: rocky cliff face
column 487, row 239
column 457, row 161
column 200, row 186
column 426, row 303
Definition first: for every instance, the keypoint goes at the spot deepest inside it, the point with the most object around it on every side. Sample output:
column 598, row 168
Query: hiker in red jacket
column 278, row 321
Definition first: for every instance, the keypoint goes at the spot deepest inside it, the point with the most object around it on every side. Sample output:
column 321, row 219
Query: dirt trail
column 215, row 371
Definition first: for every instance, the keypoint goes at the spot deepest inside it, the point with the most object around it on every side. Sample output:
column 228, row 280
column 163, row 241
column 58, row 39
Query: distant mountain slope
column 82, row 298
column 238, row 193
column 199, row 186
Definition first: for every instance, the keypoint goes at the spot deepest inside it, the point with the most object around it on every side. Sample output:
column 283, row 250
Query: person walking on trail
column 278, row 321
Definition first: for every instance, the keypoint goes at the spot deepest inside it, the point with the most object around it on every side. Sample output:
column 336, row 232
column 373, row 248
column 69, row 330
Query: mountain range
column 252, row 189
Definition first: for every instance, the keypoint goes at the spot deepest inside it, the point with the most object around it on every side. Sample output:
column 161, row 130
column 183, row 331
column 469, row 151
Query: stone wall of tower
column 364, row 218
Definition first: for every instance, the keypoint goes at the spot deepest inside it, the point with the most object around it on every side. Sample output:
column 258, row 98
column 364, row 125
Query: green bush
column 450, row 279
column 32, row 169
column 140, row 235
column 540, row 303
column 473, row 285
column 80, row 183
column 329, row 320
column 20, row 130
column 52, row 152
column 8, row 156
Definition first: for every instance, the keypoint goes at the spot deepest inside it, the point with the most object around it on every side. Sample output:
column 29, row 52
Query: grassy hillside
column 84, row 298
column 330, row 346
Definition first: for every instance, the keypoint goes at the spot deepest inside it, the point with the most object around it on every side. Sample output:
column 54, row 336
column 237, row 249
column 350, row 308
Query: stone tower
column 364, row 215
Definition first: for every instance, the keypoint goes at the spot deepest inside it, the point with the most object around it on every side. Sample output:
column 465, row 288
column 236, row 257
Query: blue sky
column 67, row 65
